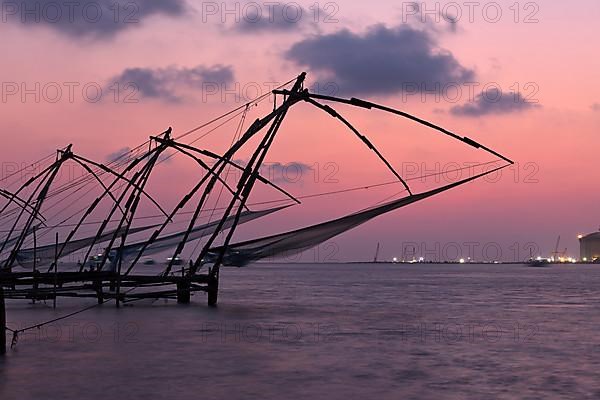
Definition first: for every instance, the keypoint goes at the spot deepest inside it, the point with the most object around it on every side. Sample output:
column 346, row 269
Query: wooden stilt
column 118, row 294
column 35, row 286
column 99, row 292
column 2, row 323
column 213, row 289
column 55, row 271
column 183, row 292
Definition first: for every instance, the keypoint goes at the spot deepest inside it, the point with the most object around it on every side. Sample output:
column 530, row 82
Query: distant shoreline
column 418, row 263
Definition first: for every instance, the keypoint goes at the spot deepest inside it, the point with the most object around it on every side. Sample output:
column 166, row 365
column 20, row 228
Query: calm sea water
column 327, row 332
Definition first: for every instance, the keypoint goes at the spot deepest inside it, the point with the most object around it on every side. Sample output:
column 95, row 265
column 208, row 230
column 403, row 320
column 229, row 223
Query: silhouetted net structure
column 115, row 232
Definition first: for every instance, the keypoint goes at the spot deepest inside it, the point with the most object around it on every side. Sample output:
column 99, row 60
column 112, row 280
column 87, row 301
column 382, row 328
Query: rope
column 238, row 132
column 256, row 100
column 120, row 185
column 24, row 168
column 16, row 332
column 308, row 196
column 124, row 158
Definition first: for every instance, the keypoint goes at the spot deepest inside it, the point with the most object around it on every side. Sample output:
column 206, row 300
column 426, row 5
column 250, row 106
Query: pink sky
column 553, row 190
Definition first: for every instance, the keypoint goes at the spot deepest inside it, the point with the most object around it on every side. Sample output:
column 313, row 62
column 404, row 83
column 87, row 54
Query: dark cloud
column 289, row 173
column 381, row 61
column 447, row 18
column 277, row 17
column 164, row 83
column 283, row 173
column 596, row 107
column 88, row 18
column 114, row 156
column 493, row 101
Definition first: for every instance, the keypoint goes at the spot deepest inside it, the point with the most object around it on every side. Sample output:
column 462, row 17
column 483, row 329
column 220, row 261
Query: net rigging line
column 120, row 185
column 237, row 134
column 367, row 143
column 238, row 130
column 87, row 177
column 258, row 99
column 90, row 179
column 126, row 157
column 28, row 166
column 242, row 110
column 304, row 197
column 368, row 187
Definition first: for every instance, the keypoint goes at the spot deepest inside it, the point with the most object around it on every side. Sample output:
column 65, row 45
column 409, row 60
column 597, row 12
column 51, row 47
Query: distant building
column 589, row 246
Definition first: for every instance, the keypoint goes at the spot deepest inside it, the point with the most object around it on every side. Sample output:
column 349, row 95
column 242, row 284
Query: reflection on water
column 327, row 332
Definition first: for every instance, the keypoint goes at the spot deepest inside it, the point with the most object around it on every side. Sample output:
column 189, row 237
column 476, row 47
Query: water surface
column 339, row 331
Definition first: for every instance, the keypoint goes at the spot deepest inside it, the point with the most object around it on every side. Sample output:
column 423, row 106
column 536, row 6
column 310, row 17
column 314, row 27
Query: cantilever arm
column 12, row 196
column 198, row 160
column 259, row 177
column 239, row 167
column 123, row 177
column 22, row 203
column 369, row 105
column 89, row 170
column 365, row 140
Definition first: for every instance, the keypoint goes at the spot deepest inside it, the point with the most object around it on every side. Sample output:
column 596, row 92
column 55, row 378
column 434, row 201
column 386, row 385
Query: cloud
column 283, row 173
column 164, row 83
column 275, row 17
column 595, row 107
column 493, row 101
column 114, row 156
column 381, row 61
column 94, row 19
column 447, row 18
column 165, row 157
column 289, row 173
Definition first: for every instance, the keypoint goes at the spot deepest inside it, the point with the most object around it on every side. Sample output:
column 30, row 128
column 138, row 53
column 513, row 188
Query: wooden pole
column 183, row 291
column 213, row 288
column 55, row 270
column 34, row 262
column 2, row 323
column 99, row 293
column 117, row 299
column 34, row 249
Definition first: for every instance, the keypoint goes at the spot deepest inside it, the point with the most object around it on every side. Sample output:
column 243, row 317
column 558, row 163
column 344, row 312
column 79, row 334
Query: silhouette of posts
column 55, row 272
column 184, row 292
column 2, row 323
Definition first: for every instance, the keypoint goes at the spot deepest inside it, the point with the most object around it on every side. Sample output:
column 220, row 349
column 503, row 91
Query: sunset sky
column 180, row 63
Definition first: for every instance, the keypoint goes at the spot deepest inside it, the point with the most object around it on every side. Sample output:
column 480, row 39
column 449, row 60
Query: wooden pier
column 40, row 286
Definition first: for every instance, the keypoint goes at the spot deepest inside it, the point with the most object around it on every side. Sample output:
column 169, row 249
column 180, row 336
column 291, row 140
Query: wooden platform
column 102, row 285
